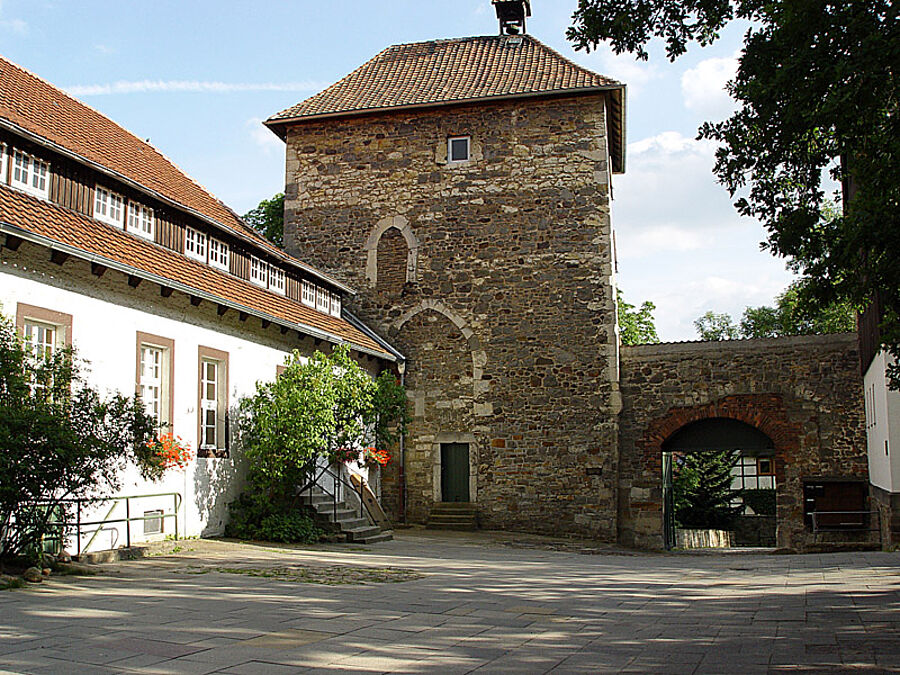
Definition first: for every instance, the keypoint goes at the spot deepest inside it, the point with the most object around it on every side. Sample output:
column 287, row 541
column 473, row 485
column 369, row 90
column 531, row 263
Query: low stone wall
column 804, row 393
column 703, row 539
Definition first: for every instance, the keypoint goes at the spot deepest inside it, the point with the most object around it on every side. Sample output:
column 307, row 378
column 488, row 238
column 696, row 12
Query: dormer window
column 323, row 302
column 276, row 279
column 218, row 254
column 458, row 149
column 195, row 244
column 335, row 305
column 30, row 174
column 259, row 273
column 109, row 207
column 140, row 220
column 308, row 294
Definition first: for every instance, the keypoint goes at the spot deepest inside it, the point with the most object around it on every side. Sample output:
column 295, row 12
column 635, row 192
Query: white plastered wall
column 882, row 426
column 105, row 320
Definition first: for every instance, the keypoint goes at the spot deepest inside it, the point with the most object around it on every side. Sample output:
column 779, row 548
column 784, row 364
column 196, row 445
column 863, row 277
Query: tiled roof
column 445, row 72
column 98, row 240
column 41, row 109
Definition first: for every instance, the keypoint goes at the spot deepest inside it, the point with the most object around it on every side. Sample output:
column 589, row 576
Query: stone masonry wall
column 805, row 393
column 506, row 313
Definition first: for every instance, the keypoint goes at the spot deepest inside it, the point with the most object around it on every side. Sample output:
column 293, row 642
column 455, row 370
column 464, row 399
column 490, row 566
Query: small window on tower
column 458, row 149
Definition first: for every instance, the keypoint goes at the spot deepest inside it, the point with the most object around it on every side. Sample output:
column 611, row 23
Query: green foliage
column 713, row 326
column 762, row 501
column 702, row 490
column 312, row 409
column 794, row 313
column 254, row 516
column 59, row 440
column 326, row 406
column 392, row 415
column 268, row 219
column 817, row 98
column 636, row 326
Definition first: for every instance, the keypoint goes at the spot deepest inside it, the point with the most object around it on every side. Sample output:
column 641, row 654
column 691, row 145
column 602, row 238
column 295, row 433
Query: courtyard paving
column 453, row 603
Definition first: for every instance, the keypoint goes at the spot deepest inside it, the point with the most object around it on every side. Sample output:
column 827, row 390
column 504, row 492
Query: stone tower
column 462, row 186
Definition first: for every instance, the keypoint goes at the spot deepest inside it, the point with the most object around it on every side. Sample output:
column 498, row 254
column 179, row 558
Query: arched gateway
column 754, row 454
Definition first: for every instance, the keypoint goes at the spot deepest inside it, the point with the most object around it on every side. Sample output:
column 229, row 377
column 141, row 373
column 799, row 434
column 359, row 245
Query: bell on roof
column 512, row 14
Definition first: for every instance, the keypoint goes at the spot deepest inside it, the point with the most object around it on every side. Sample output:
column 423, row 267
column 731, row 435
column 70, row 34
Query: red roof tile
column 444, row 72
column 41, row 109
column 111, row 244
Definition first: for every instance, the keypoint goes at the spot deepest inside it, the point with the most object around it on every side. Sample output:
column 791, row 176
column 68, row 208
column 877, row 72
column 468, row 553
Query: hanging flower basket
column 372, row 457
column 344, row 455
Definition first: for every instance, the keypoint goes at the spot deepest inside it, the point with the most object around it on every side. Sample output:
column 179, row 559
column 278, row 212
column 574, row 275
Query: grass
column 333, row 575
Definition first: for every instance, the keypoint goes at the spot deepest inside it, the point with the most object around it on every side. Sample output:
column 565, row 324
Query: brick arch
column 765, row 412
column 371, row 248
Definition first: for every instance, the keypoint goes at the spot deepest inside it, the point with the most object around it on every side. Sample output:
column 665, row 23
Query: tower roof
column 460, row 71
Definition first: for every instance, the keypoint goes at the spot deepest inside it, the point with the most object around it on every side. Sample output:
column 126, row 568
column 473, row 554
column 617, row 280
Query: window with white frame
column 335, row 305
column 308, row 293
column 259, row 272
column 323, row 302
column 109, row 207
column 41, row 339
column 458, row 149
column 3, row 174
column 154, row 377
column 194, row 244
column 213, row 400
column 140, row 220
column 43, row 332
column 30, row 174
column 218, row 254
column 276, row 279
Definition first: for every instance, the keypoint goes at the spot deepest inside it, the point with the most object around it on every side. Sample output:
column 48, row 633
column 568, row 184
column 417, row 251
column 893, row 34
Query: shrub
column 254, row 517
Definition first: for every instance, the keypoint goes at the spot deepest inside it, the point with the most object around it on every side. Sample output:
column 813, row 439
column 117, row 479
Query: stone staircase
column 453, row 516
column 343, row 519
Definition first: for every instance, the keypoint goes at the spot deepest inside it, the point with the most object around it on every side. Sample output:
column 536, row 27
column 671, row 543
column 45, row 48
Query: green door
column 455, row 472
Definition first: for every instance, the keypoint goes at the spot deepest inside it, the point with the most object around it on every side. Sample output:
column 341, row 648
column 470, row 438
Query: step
column 454, row 507
column 451, row 520
column 315, row 498
column 451, row 526
column 339, row 514
column 358, row 534
column 384, row 535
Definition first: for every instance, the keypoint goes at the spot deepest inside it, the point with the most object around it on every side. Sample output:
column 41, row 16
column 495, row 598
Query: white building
column 107, row 246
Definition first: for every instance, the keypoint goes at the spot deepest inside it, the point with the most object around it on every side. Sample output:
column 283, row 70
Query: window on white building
column 155, row 377
column 109, row 207
column 30, row 174
column 335, row 305
column 308, row 293
column 213, row 400
column 276, row 279
column 153, row 521
column 3, row 163
column 218, row 254
column 195, row 244
column 41, row 339
column 259, row 272
column 43, row 332
column 323, row 302
column 140, row 220
column 458, row 149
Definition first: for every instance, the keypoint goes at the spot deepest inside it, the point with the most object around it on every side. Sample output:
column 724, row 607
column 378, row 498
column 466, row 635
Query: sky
column 197, row 77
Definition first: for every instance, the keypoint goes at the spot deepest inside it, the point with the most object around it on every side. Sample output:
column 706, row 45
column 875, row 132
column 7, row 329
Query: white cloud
column 262, row 137
column 190, row 86
column 667, row 237
column 703, row 87
column 622, row 67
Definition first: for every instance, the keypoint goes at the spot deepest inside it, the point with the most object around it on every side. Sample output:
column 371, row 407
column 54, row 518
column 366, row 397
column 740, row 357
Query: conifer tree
column 703, row 493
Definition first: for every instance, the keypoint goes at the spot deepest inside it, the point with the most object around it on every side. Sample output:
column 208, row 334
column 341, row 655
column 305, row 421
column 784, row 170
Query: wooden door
column 455, row 472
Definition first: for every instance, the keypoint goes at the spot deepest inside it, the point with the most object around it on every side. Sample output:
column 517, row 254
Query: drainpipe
column 401, row 367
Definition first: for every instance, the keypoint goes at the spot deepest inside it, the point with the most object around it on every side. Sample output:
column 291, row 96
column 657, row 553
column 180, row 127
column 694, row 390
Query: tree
column 636, row 326
column 324, row 406
column 268, row 219
column 712, row 326
column 59, row 440
column 702, row 490
column 817, row 93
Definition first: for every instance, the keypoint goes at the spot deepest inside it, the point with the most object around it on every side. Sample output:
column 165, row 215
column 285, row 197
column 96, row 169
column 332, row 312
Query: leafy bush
column 762, row 501
column 254, row 517
column 59, row 440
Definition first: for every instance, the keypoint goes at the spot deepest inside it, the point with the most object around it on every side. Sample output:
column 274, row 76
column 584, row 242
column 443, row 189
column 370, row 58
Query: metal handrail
column 855, row 526
column 338, row 480
column 78, row 524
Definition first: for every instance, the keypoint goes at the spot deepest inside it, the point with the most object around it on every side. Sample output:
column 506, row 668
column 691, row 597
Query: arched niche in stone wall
column 382, row 248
